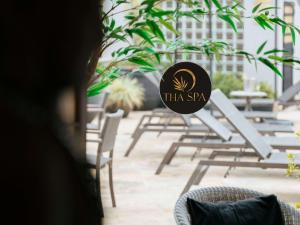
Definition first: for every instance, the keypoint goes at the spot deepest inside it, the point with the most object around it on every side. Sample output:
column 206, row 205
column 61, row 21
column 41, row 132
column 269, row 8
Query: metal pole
column 211, row 59
column 178, row 5
column 276, row 47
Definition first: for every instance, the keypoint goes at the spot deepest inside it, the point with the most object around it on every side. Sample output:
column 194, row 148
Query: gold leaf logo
column 182, row 85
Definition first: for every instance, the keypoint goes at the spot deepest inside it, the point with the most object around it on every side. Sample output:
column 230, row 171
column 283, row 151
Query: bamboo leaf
column 269, row 64
column 155, row 29
column 139, row 61
column 267, row 8
column 161, row 13
column 274, row 51
column 168, row 26
column 276, row 58
column 217, row 4
column 256, row 8
column 207, row 3
column 143, row 34
column 283, row 29
column 293, row 35
column 291, row 60
column 157, row 56
column 147, row 69
column 229, row 21
column 261, row 47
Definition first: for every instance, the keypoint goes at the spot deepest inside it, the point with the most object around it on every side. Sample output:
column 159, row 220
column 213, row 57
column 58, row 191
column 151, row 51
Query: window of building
column 169, row 35
column 219, row 68
column 240, row 58
column 189, row 35
column 179, row 56
column 199, row 24
column 179, row 25
column 229, row 58
column 229, row 68
column 229, row 36
column 198, row 57
column 219, row 25
column 219, row 35
column 240, row 68
column 169, row 4
column 189, row 25
column 240, row 35
column 198, row 35
column 239, row 46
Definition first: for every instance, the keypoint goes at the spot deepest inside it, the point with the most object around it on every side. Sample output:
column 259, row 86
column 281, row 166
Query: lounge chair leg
column 236, row 158
column 176, row 147
column 138, row 127
column 133, row 143
column 227, row 172
column 111, row 184
column 204, row 171
column 98, row 193
column 198, row 150
column 167, row 158
column 200, row 176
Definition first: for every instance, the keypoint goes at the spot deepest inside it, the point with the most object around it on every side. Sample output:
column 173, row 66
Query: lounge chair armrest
column 97, row 140
column 197, row 136
column 95, row 109
column 93, row 131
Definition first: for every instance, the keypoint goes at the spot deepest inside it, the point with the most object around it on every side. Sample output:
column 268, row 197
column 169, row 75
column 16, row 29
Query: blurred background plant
column 265, row 87
column 126, row 94
column 228, row 82
column 142, row 32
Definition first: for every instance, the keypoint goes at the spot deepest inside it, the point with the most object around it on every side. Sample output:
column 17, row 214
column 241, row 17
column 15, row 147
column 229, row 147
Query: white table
column 248, row 95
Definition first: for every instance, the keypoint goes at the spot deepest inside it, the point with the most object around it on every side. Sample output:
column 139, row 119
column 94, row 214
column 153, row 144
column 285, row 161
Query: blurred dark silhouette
column 44, row 47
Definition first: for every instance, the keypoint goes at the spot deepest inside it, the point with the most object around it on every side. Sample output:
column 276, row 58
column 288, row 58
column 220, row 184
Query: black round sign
column 185, row 87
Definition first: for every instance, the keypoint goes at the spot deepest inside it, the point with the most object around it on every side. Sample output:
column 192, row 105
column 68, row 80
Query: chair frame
column 290, row 215
column 104, row 145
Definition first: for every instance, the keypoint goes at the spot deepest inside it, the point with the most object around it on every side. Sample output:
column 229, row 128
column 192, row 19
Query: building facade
column 254, row 36
column 194, row 32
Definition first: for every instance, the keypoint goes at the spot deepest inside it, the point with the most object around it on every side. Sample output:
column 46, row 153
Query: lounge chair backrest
column 240, row 123
column 215, row 125
column 187, row 119
column 290, row 93
column 110, row 129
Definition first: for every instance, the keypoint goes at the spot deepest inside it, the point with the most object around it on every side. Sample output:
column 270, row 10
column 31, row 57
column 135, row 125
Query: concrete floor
column 146, row 199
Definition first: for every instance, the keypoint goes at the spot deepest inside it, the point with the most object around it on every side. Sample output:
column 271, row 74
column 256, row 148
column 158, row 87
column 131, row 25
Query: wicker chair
column 215, row 194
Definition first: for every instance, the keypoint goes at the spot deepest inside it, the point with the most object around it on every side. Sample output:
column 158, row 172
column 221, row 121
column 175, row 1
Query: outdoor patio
column 144, row 198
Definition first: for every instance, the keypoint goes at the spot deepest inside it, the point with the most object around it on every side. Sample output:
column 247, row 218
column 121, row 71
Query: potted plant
column 126, row 94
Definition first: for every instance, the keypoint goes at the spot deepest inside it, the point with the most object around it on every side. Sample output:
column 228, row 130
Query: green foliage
column 109, row 75
column 265, row 87
column 125, row 93
column 143, row 31
column 293, row 169
column 228, row 82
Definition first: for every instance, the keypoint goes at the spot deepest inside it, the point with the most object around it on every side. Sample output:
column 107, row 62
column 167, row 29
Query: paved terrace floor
column 146, row 199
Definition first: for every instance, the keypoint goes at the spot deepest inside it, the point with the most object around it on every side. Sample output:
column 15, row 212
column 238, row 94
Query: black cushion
column 263, row 210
